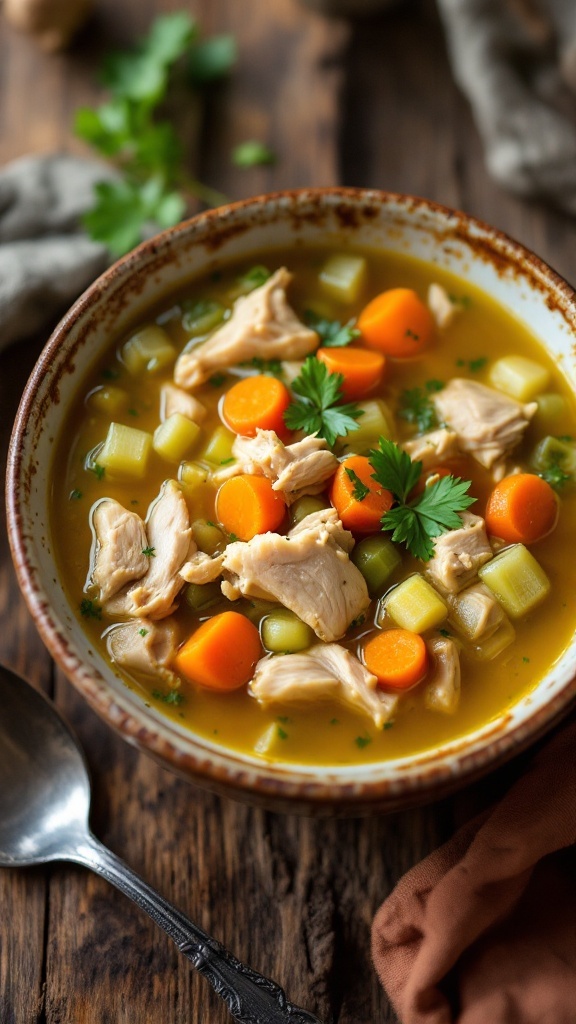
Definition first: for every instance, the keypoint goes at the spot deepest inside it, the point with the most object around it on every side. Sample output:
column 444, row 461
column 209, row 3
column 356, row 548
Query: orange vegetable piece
column 522, row 509
column 254, row 402
column 398, row 658
column 222, row 653
column 361, row 368
column 360, row 516
column 396, row 323
column 247, row 505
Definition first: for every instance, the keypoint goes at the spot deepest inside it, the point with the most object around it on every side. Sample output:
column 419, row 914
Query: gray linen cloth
column 46, row 259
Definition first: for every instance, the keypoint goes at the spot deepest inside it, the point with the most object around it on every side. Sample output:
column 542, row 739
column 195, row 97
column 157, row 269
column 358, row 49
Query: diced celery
column 495, row 644
column 108, row 400
column 192, row 474
column 126, row 451
column 253, row 278
column 342, row 276
column 305, row 507
column 269, row 743
column 174, row 438
column 149, row 349
column 208, row 537
column 415, row 605
column 202, row 316
column 256, row 608
column 199, row 596
column 219, row 447
column 519, row 377
column 555, row 460
column 283, row 631
column 516, row 579
column 551, row 407
column 377, row 421
column 376, row 558
column 471, row 616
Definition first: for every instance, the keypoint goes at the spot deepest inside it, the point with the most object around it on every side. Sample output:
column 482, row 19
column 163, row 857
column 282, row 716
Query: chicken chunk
column 434, row 448
column 442, row 692
column 489, row 424
column 458, row 554
column 174, row 399
column 295, row 469
column 262, row 324
column 441, row 306
column 325, row 670
column 144, row 646
column 475, row 612
column 308, row 571
column 170, row 545
column 202, row 568
column 117, row 552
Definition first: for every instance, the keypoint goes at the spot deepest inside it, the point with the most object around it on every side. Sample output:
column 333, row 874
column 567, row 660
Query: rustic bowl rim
column 285, row 786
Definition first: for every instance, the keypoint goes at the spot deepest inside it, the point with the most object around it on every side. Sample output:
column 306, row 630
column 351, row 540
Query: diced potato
column 283, row 632
column 377, row 421
column 495, row 644
column 202, row 316
column 552, row 456
column 376, row 558
column 415, row 605
column 200, row 596
column 516, row 579
column 305, row 507
column 208, row 537
column 219, row 447
column 126, row 451
column 108, row 400
column 148, row 350
column 192, row 474
column 519, row 377
column 269, row 743
column 342, row 276
column 551, row 407
column 174, row 438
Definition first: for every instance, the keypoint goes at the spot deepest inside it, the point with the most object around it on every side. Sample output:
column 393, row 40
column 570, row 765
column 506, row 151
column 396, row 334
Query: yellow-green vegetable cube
column 174, row 438
column 342, row 276
column 149, row 349
column 555, row 460
column 200, row 596
column 519, row 377
column 516, row 579
column 108, row 400
column 219, row 447
column 376, row 421
column 192, row 474
column 377, row 558
column 415, row 605
column 203, row 316
column 283, row 632
column 551, row 407
column 208, row 537
column 495, row 644
column 305, row 507
column 126, row 451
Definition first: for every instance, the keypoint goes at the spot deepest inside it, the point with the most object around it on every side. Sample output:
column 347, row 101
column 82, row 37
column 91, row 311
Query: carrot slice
column 256, row 402
column 521, row 509
column 222, row 653
column 396, row 323
column 361, row 368
column 398, row 658
column 359, row 512
column 247, row 505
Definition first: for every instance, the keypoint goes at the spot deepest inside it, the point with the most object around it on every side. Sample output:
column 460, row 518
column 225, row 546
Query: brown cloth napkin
column 484, row 930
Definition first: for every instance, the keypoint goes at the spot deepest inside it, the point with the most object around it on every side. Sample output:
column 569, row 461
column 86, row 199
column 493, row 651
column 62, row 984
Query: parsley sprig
column 360, row 490
column 332, row 333
column 417, row 522
column 317, row 409
column 416, row 406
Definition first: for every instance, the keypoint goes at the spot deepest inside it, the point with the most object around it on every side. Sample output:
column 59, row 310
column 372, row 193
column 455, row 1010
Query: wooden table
column 370, row 103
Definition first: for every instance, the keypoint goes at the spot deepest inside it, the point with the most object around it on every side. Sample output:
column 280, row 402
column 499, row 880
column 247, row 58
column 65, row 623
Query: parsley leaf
column 269, row 367
column 555, row 475
column 172, row 697
column 416, row 407
column 90, row 610
column 316, row 410
column 332, row 333
column 416, row 523
column 149, row 552
column 360, row 490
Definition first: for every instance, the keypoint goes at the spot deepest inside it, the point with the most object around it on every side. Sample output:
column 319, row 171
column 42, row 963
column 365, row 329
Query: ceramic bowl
column 512, row 275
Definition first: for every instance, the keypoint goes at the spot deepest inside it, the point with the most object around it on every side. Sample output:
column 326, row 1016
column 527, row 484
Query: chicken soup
column 317, row 507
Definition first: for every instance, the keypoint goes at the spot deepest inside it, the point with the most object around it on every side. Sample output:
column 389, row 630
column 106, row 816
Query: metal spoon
column 44, row 808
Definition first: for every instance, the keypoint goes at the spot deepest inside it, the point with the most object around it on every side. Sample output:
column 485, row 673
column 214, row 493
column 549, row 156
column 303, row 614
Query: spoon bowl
column 44, row 811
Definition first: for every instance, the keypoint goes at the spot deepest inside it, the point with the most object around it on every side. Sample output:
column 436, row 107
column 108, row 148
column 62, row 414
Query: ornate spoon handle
column 250, row 997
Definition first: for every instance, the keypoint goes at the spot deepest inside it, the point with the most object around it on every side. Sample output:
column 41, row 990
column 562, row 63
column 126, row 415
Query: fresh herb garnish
column 334, row 721
column 360, row 490
column 269, row 367
column 388, row 725
column 232, row 538
column 316, row 410
column 555, row 475
column 281, row 732
column 362, row 741
column 90, row 610
column 416, row 407
column 75, row 495
column 143, row 632
column 96, row 468
column 253, row 278
column 357, row 621
column 332, row 333
column 226, row 462
column 109, row 374
column 252, row 153
column 217, row 379
column 416, row 523
column 172, row 697
column 444, row 632
column 149, row 552
column 461, row 300
column 474, row 365
column 133, row 412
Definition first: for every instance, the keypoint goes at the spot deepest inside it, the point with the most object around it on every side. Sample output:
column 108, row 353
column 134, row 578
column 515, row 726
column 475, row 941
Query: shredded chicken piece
column 308, row 571
column 442, row 691
column 489, row 424
column 295, row 469
column 174, row 399
column 325, row 670
column 262, row 324
column 145, row 646
column 458, row 554
column 202, row 568
column 117, row 553
column 441, row 306
column 434, row 448
column 475, row 612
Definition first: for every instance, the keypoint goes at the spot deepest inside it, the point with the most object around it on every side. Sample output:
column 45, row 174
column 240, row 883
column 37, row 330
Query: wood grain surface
column 366, row 103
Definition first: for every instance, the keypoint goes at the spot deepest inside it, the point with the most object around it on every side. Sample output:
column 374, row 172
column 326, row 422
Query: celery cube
column 342, row 276
column 516, row 579
column 192, row 474
column 126, row 451
column 551, row 407
column 493, row 645
column 282, row 631
column 519, row 377
column 415, row 605
column 208, row 537
column 219, row 447
column 108, row 400
column 174, row 438
column 376, row 421
column 376, row 558
column 149, row 349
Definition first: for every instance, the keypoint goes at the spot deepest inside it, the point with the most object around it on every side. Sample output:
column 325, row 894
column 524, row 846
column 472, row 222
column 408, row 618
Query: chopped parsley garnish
column 362, row 741
column 172, row 697
column 316, row 410
column 281, row 733
column 416, row 407
column 334, row 721
column 360, row 490
column 217, row 379
column 75, row 495
column 133, row 412
column 232, row 537
column 332, row 333
column 388, row 725
column 143, row 632
column 474, row 365
column 284, row 719
column 418, row 521
column 110, row 374
column 461, row 300
column 90, row 610
column 525, row 660
column 149, row 552
column 269, row 367
column 411, row 334
column 226, row 462
column 444, row 632
column 358, row 621
column 97, row 469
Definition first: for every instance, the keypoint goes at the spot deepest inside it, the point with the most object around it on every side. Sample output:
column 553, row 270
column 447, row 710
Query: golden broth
column 327, row 733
